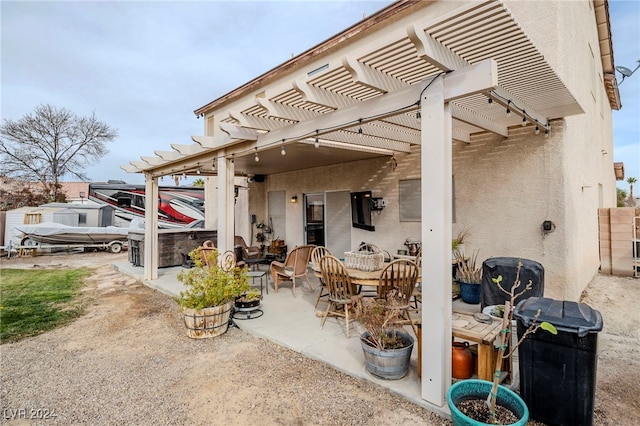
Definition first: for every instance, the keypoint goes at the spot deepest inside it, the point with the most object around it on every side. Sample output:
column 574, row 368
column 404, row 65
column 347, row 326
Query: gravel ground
column 128, row 361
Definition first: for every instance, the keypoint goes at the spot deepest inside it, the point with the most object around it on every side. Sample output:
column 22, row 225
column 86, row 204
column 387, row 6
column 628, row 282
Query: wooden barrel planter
column 388, row 364
column 207, row 322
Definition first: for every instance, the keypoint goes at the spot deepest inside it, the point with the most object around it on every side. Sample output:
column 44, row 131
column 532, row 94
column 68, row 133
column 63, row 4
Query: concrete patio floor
column 292, row 322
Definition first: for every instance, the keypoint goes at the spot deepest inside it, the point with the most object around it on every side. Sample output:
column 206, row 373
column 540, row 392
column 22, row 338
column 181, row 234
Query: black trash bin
column 558, row 372
column 531, row 270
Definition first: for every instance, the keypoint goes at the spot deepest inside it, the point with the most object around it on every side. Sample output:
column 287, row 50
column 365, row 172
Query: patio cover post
column 151, row 227
column 226, row 205
column 436, row 242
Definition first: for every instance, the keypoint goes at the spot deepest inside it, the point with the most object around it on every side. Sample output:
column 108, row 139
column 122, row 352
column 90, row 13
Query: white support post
column 226, row 205
column 436, row 243
column 151, row 228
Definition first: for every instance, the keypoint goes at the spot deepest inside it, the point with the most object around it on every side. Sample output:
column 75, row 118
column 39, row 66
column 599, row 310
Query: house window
column 82, row 218
column 410, row 200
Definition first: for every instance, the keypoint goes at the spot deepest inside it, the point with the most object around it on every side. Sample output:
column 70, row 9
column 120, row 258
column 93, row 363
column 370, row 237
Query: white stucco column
column 225, row 203
column 151, row 228
column 436, row 172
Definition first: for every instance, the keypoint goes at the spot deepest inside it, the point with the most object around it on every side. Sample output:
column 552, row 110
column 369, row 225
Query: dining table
column 361, row 278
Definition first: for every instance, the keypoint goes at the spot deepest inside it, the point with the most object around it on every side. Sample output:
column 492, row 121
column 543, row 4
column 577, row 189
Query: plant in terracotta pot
column 482, row 402
column 209, row 294
column 386, row 346
column 469, row 278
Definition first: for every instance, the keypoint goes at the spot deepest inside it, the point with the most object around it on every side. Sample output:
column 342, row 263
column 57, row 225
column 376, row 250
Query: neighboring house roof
column 70, row 189
column 363, row 67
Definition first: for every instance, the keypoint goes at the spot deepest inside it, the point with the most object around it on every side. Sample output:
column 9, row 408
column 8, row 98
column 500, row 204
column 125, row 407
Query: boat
column 111, row 237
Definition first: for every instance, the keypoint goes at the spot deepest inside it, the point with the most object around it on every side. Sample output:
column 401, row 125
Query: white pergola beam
column 168, row 155
column 322, row 97
column 461, row 135
column 470, row 117
column 237, row 132
column 190, row 149
column 433, row 52
column 371, row 78
column 276, row 109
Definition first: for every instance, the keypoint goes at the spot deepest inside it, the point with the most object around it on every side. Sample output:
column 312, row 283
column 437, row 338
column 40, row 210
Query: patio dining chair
column 316, row 254
column 397, row 283
column 294, row 266
column 338, row 284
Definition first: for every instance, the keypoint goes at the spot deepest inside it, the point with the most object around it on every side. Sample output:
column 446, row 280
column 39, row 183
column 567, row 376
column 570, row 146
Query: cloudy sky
column 144, row 66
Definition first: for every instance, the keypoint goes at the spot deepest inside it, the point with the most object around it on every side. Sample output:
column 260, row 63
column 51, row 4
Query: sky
column 143, row 67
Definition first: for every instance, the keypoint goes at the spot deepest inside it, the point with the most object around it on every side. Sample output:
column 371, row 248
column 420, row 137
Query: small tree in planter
column 477, row 408
column 210, row 293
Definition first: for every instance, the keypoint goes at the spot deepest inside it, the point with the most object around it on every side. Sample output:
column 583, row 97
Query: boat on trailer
column 110, row 238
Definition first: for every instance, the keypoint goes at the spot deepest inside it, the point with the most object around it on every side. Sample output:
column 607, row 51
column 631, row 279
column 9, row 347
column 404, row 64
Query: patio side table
column 258, row 274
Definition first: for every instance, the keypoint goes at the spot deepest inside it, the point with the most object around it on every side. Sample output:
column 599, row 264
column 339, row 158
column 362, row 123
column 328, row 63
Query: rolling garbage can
column 558, row 372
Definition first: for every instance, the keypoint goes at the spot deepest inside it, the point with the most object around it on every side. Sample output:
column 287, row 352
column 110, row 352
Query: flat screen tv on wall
column 361, row 210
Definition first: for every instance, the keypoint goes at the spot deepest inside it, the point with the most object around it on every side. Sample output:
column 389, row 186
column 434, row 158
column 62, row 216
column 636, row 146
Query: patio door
column 338, row 222
column 314, row 219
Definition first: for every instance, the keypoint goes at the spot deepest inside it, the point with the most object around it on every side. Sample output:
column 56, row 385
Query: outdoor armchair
column 248, row 252
column 294, row 266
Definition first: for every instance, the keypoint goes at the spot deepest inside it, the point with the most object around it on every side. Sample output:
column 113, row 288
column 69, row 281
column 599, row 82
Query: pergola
column 463, row 67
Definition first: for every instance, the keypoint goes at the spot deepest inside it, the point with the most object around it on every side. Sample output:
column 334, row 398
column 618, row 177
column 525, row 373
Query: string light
column 510, row 106
column 525, row 117
column 199, row 170
column 184, row 175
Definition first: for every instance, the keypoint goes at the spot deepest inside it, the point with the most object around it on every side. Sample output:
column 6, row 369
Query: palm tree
column 631, row 181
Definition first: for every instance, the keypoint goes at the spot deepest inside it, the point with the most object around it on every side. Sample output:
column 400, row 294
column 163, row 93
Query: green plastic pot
column 473, row 388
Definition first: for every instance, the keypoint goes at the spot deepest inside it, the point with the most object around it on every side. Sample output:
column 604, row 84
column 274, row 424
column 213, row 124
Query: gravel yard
column 128, row 361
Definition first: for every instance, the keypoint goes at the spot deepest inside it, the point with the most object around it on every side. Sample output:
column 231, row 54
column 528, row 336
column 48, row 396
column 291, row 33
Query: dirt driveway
column 127, row 361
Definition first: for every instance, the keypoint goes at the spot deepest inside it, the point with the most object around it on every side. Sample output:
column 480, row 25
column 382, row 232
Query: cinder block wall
column 616, row 240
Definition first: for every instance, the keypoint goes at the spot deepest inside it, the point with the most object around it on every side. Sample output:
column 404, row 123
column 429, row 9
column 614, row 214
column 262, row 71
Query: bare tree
column 50, row 143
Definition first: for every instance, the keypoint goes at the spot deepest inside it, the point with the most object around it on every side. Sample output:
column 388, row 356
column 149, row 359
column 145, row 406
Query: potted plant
column 481, row 402
column 209, row 294
column 469, row 278
column 457, row 243
column 386, row 346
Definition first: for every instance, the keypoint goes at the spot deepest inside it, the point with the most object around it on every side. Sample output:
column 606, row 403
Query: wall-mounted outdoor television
column 361, row 210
